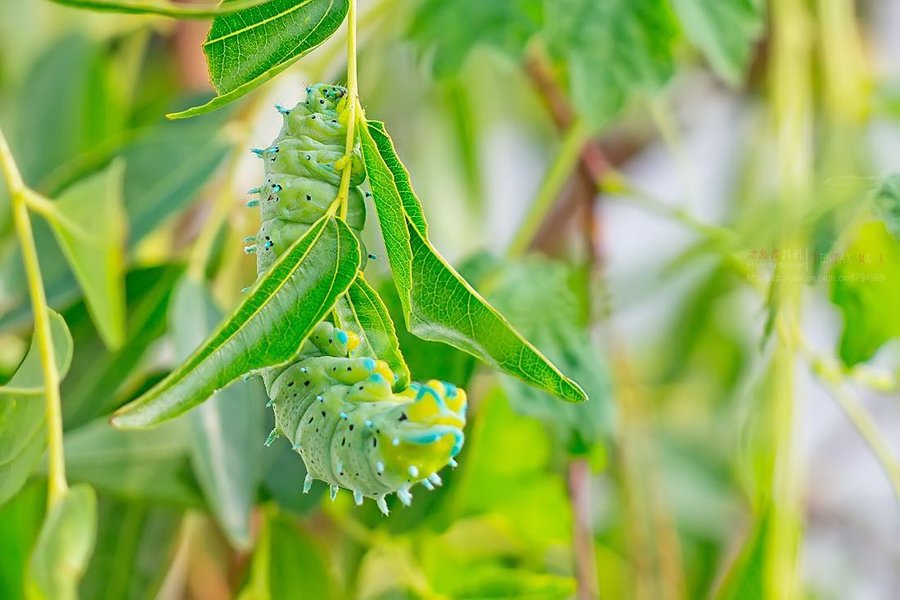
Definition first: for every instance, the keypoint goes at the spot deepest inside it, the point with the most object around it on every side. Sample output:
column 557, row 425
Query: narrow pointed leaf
column 725, row 31
column 22, row 410
column 64, row 546
column 362, row 311
column 438, row 303
column 89, row 223
column 267, row 328
column 247, row 48
column 224, row 440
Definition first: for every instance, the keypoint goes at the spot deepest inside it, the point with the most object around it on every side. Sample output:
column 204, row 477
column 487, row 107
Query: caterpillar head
column 422, row 436
column 324, row 97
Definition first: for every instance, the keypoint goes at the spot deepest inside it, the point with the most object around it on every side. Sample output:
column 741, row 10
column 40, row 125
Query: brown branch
column 655, row 548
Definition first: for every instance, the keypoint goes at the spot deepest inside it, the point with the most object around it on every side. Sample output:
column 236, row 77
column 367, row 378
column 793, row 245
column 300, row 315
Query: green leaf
column 438, row 304
column 15, row 473
column 163, row 8
column 612, row 50
column 247, row 48
column 865, row 287
column 20, row 525
column 22, row 410
column 149, row 466
column 746, row 578
column 282, row 472
column 64, row 546
column 725, row 31
column 268, row 327
column 537, row 296
column 135, row 546
column 498, row 583
column 88, row 221
column 288, row 563
column 167, row 167
column 225, row 431
column 887, row 203
column 362, row 311
column 70, row 69
column 524, row 490
column 506, row 25
column 96, row 383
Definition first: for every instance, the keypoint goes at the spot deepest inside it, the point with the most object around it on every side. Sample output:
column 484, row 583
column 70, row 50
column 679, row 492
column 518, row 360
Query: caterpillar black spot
column 339, row 410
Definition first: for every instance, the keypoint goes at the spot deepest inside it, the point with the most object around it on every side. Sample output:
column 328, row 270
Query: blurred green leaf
column 612, row 50
column 524, row 490
column 64, row 546
column 283, row 478
column 503, row 24
column 167, row 166
column 73, row 69
column 247, row 48
column 488, row 549
column 307, row 280
column 14, row 473
column 495, row 581
column 225, row 431
column 725, row 31
column 167, row 163
column 865, row 287
column 149, row 465
column 162, row 7
column 362, row 311
column 98, row 376
column 88, row 220
column 887, row 203
column 438, row 304
column 20, row 524
column 538, row 298
column 440, row 361
column 135, row 545
column 22, row 410
column 288, row 563
column 746, row 576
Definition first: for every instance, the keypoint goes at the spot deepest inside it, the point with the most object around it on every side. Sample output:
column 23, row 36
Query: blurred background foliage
column 634, row 183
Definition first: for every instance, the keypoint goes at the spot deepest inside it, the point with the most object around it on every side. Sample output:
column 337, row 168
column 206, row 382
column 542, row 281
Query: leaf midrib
column 264, row 21
column 193, row 364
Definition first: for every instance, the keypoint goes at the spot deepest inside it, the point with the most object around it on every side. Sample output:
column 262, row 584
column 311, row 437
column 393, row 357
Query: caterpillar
column 338, row 409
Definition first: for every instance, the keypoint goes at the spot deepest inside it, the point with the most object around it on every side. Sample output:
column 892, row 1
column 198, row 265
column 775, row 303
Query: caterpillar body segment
column 335, row 405
column 353, row 431
column 301, row 176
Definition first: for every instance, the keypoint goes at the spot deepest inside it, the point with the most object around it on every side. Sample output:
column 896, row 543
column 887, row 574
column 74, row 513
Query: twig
column 583, row 542
column 57, row 485
column 832, row 376
column 350, row 114
column 548, row 194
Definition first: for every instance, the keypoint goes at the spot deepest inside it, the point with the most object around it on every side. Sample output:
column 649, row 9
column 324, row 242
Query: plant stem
column 583, row 542
column 833, row 377
column 52, row 406
column 557, row 175
column 352, row 103
column 792, row 110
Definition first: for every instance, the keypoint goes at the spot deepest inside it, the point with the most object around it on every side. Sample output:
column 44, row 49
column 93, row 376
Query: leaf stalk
column 19, row 195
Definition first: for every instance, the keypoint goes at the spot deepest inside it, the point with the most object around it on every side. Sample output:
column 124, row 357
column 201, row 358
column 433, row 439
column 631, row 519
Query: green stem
column 350, row 111
column 18, row 193
column 792, row 111
column 832, row 376
column 565, row 162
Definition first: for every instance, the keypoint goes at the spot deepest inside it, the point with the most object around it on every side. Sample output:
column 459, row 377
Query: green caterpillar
column 339, row 410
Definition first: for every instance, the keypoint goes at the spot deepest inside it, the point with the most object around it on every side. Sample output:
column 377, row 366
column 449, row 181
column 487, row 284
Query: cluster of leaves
column 121, row 178
column 609, row 51
column 218, row 442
